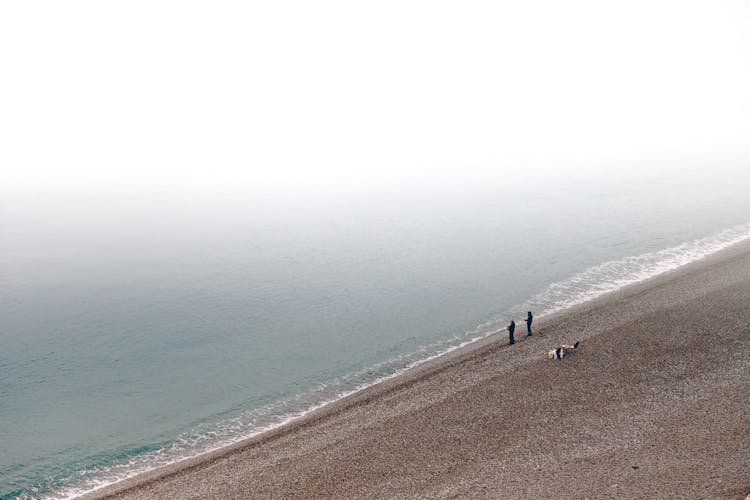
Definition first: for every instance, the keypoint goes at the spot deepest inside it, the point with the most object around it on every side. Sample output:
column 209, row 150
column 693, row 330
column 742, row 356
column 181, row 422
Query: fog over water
column 332, row 93
column 216, row 217
column 142, row 327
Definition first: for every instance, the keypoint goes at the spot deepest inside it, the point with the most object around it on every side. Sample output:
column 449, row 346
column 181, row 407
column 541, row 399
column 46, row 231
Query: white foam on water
column 582, row 287
column 256, row 421
column 614, row 275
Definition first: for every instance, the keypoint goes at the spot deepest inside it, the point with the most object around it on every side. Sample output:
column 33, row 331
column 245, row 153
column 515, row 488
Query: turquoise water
column 140, row 328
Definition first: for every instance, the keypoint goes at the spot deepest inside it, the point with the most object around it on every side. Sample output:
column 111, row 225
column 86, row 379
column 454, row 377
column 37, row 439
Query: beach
column 654, row 404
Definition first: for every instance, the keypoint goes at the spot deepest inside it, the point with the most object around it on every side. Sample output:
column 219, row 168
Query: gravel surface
column 654, row 404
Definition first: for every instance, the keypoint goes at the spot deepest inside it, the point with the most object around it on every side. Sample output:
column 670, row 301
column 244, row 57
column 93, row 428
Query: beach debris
column 559, row 352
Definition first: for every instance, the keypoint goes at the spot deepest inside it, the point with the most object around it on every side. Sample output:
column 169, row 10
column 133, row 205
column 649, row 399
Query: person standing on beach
column 529, row 319
column 511, row 330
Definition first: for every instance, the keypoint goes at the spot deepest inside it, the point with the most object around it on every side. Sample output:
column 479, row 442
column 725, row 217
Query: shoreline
column 430, row 369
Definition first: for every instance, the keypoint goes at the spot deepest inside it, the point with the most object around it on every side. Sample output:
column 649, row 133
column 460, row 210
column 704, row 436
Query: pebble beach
column 653, row 404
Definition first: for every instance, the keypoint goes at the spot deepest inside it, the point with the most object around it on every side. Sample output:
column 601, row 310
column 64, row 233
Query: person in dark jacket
column 529, row 319
column 511, row 330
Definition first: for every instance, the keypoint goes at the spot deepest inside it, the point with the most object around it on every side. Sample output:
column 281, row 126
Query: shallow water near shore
column 145, row 329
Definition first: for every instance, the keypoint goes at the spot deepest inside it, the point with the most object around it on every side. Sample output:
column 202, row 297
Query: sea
column 141, row 326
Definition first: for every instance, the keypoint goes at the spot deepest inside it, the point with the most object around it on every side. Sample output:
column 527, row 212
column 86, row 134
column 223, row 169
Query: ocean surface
column 141, row 327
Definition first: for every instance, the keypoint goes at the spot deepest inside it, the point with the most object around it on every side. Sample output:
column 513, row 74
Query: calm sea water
column 140, row 328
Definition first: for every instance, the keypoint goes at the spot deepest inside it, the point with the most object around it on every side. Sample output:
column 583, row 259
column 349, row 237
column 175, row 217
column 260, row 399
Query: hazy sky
column 321, row 93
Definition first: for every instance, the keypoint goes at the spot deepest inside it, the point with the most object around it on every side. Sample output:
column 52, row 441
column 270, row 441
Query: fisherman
column 511, row 330
column 529, row 319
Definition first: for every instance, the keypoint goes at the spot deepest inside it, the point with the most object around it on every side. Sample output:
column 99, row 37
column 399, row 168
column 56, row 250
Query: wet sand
column 654, row 404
